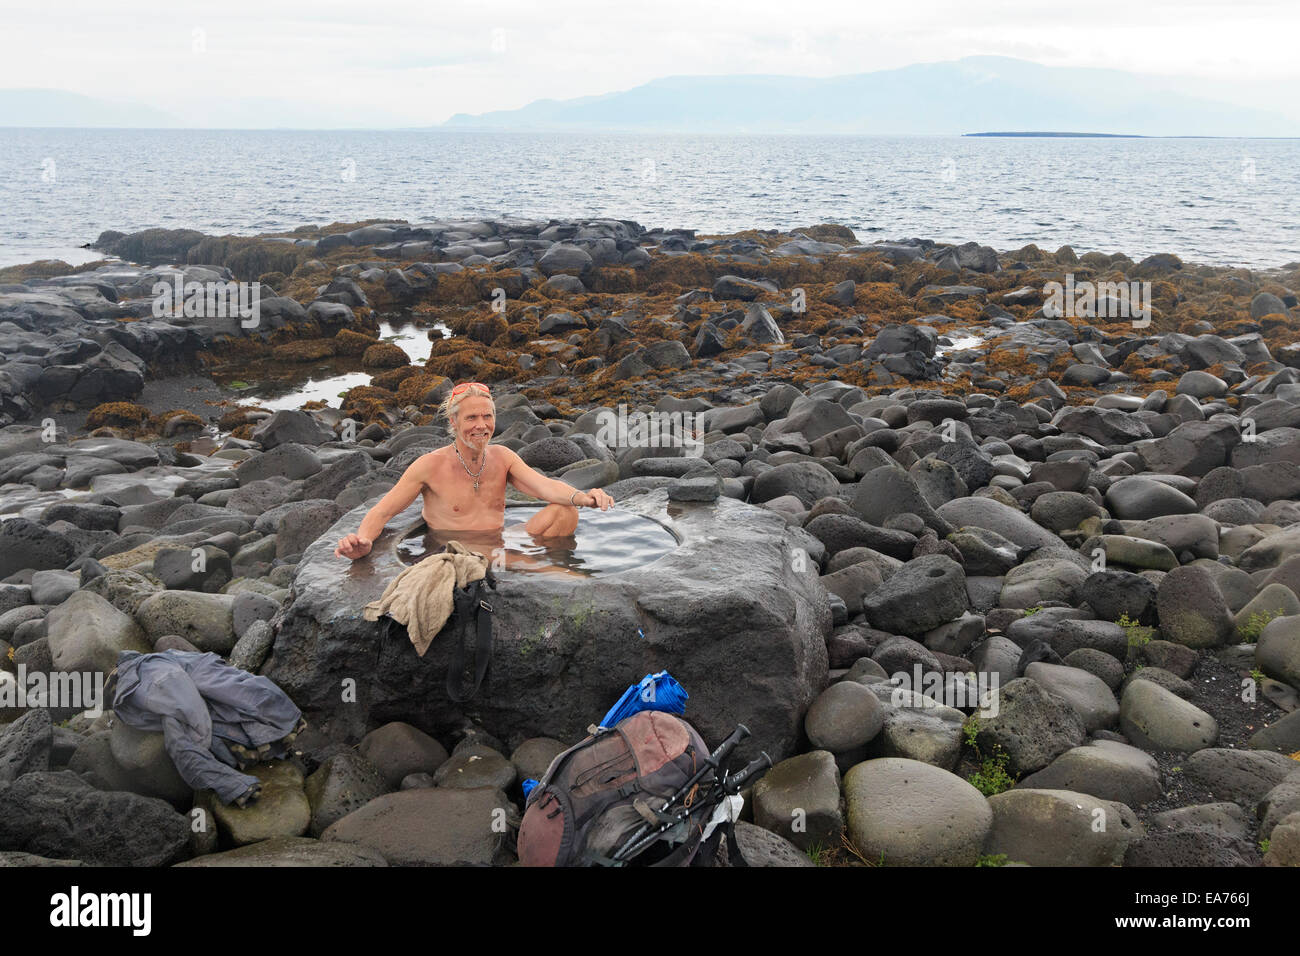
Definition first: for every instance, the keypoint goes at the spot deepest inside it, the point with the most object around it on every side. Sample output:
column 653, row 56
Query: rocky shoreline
column 927, row 477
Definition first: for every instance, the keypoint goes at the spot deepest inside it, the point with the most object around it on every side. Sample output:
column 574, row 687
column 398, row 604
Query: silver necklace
column 472, row 474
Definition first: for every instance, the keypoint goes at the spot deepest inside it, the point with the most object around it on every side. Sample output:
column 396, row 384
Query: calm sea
column 1231, row 201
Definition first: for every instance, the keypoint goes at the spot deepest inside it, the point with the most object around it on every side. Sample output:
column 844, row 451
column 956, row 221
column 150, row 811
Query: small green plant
column 996, row 859
column 238, row 384
column 1031, row 611
column 992, row 776
column 1249, row 631
column 1138, row 635
column 1175, row 769
column 817, row 853
column 1258, row 676
column 1263, row 846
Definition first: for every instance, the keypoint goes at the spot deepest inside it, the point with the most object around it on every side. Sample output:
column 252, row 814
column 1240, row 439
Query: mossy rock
column 40, row 269
column 117, row 415
column 469, row 364
column 829, row 232
column 351, row 342
column 384, row 355
column 367, row 393
column 416, row 389
column 175, row 421
column 161, row 417
column 369, row 411
column 485, row 328
column 272, row 280
column 232, row 418
column 306, row 350
column 394, row 377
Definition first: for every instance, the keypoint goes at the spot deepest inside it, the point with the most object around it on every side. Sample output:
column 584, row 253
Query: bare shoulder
column 508, row 455
column 424, row 467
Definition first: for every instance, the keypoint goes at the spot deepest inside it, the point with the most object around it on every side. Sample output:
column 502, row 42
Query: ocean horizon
column 1222, row 201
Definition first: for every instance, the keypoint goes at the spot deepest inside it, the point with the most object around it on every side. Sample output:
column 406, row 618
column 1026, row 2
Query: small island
column 1046, row 134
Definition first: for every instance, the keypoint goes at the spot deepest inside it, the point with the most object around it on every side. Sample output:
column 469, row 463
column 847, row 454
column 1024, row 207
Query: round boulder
column 844, row 716
column 909, row 813
column 1137, row 498
column 799, row 798
column 397, row 749
column 1030, row 725
column 1191, row 608
column 1154, row 718
column 1060, row 828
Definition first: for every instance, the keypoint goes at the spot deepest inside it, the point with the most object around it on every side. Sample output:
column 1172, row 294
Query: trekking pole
column 735, row 782
column 706, row 805
column 710, row 764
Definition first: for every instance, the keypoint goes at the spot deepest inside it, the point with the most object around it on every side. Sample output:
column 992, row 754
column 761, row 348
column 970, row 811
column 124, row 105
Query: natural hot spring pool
column 605, row 542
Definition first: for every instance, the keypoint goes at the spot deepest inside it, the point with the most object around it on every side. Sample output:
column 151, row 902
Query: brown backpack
column 598, row 793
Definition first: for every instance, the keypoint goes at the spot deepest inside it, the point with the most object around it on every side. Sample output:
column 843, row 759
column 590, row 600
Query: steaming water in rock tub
column 605, row 542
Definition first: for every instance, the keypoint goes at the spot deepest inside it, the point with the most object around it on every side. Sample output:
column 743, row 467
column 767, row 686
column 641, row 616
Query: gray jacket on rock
column 201, row 703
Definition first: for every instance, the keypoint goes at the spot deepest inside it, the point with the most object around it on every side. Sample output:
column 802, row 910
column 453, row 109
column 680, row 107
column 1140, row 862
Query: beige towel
column 421, row 597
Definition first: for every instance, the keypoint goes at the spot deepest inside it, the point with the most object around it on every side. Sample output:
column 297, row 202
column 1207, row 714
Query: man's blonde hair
column 452, row 402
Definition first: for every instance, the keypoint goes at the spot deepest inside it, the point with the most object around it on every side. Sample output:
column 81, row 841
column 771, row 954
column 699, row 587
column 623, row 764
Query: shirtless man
column 464, row 484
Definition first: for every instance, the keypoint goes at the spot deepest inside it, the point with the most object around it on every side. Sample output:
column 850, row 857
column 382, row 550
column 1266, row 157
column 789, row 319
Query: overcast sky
column 382, row 62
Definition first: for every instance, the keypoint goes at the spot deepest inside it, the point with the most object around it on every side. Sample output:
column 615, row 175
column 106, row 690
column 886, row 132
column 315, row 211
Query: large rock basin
column 734, row 613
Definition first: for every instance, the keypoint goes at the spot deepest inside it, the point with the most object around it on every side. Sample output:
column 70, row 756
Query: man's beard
column 476, row 446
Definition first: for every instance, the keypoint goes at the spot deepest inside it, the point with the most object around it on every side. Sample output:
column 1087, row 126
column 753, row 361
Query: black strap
column 708, row 855
column 682, row 856
column 470, row 605
column 734, row 856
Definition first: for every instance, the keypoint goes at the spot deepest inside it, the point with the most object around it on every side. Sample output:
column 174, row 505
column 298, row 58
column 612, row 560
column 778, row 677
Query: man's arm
column 532, row 482
column 394, row 503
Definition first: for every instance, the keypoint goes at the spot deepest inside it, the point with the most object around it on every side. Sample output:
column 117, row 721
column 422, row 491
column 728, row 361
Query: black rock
column 59, row 815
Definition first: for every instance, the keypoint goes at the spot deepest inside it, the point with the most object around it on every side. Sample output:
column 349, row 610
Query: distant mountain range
column 969, row 95
column 60, row 108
